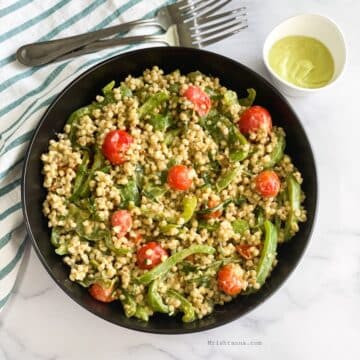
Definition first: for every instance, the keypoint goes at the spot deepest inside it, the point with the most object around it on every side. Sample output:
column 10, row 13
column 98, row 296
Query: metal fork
column 197, row 33
column 185, row 10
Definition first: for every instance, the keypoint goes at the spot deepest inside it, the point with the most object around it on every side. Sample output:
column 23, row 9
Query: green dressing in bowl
column 302, row 61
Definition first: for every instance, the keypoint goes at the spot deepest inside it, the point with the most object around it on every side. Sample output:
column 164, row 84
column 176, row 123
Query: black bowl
column 82, row 91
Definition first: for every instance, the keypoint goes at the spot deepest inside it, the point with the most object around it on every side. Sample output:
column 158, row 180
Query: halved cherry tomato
column 115, row 145
column 150, row 255
column 179, row 177
column 267, row 183
column 230, row 279
column 254, row 118
column 211, row 204
column 100, row 293
column 244, row 251
column 199, row 98
column 121, row 219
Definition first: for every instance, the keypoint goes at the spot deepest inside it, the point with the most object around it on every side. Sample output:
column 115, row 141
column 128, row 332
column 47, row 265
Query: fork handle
column 104, row 44
column 45, row 52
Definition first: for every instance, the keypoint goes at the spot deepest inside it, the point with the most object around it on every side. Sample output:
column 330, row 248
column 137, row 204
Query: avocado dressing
column 302, row 61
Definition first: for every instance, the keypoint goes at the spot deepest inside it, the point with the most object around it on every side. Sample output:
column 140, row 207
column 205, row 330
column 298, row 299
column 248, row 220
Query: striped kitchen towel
column 26, row 93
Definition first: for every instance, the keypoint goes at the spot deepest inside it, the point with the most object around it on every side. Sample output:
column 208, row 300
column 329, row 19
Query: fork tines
column 208, row 30
column 193, row 9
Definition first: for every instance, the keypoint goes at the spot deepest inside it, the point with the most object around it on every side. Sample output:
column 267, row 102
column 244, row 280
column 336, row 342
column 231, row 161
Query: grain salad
column 170, row 193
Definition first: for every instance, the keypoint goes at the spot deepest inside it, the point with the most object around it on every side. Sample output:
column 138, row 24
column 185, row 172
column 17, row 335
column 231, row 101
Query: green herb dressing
column 302, row 61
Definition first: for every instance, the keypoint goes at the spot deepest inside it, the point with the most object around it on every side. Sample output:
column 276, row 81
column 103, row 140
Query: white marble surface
column 316, row 313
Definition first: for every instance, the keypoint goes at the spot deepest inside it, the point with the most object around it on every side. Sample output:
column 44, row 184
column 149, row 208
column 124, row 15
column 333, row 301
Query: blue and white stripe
column 25, row 93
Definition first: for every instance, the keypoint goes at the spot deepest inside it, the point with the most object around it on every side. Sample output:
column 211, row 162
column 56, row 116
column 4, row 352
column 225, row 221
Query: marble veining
column 316, row 313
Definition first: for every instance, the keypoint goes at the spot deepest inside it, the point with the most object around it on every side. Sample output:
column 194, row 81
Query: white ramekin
column 316, row 26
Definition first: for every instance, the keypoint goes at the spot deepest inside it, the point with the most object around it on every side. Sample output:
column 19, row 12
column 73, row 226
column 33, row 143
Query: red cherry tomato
column 215, row 214
column 100, row 293
column 179, row 177
column 121, row 219
column 244, row 251
column 230, row 279
column 199, row 98
column 267, row 183
column 150, row 255
column 115, row 145
column 254, row 118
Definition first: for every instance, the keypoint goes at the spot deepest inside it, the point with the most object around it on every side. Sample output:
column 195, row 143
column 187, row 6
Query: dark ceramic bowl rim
column 135, row 327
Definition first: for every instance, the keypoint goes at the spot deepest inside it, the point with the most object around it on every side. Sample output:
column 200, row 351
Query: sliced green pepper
column 165, row 266
column 278, row 151
column 139, row 176
column 249, row 100
column 236, row 144
column 142, row 313
column 125, row 91
column 129, row 304
column 80, row 177
column 154, row 299
column 55, row 237
column 154, row 191
column 293, row 191
column 78, row 213
column 107, row 90
column 98, row 163
column 185, row 306
column 62, row 250
column 152, row 103
column 189, row 207
column 268, row 253
column 193, row 75
column 227, row 178
column 240, row 226
column 230, row 98
column 260, row 217
column 160, row 122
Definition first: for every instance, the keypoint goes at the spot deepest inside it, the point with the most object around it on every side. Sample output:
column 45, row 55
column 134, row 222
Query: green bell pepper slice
column 154, row 299
column 98, row 163
column 165, row 266
column 268, row 253
column 80, row 177
column 293, row 192
column 240, row 226
column 278, row 151
column 227, row 178
column 152, row 103
column 142, row 313
column 249, row 100
column 185, row 306
column 189, row 207
column 128, row 303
